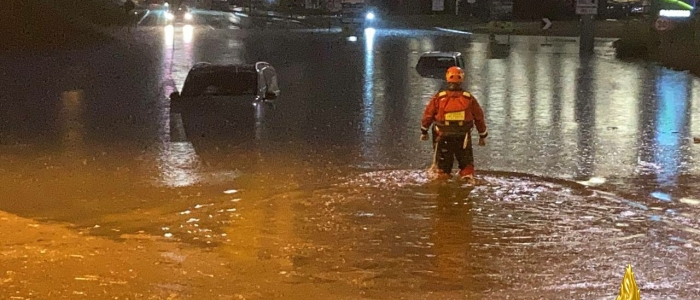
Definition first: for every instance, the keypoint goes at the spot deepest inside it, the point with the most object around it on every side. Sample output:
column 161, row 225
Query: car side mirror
column 174, row 95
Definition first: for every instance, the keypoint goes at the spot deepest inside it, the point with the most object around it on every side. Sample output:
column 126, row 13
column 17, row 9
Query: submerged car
column 435, row 64
column 208, row 84
column 221, row 102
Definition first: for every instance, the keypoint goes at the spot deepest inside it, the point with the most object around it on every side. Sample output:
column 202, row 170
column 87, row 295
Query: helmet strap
column 454, row 86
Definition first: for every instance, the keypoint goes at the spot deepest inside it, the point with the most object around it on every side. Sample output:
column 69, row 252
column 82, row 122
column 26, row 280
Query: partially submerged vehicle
column 435, row 64
column 233, row 84
column 225, row 100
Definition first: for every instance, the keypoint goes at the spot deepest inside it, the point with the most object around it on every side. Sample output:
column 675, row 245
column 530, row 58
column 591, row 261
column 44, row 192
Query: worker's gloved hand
column 423, row 134
column 482, row 141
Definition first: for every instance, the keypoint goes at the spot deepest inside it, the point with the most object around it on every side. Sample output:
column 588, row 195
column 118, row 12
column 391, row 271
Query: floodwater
column 589, row 166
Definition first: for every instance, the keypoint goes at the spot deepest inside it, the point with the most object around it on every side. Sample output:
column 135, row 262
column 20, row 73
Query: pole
column 587, row 41
column 456, row 7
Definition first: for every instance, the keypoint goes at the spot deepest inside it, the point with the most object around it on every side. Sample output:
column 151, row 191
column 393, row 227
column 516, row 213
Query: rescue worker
column 453, row 113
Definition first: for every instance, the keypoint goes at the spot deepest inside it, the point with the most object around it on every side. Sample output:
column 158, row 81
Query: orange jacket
column 452, row 110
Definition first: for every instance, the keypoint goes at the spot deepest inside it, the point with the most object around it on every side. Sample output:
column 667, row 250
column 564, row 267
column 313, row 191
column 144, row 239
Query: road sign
column 586, row 7
column 546, row 23
column 663, row 24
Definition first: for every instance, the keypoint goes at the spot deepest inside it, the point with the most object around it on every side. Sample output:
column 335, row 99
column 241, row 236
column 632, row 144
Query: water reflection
column 544, row 93
column 177, row 160
column 169, row 36
column 187, row 34
column 368, row 88
column 586, row 118
column 179, row 163
column 452, row 238
column 672, row 125
column 372, row 115
column 73, row 129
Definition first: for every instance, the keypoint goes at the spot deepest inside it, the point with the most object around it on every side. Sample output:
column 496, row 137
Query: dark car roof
column 238, row 68
column 209, row 67
column 441, row 54
column 237, row 79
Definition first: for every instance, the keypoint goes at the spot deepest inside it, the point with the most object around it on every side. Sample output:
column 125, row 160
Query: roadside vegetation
column 40, row 24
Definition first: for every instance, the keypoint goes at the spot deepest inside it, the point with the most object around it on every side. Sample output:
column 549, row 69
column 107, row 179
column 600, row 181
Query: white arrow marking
column 547, row 23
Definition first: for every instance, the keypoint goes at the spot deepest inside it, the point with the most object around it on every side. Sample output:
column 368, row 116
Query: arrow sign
column 546, row 23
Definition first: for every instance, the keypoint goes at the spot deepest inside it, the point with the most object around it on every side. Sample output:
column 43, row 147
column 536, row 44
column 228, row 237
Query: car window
column 428, row 62
column 220, row 83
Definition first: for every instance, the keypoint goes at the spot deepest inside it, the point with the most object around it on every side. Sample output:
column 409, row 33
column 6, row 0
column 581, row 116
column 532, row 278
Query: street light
column 370, row 16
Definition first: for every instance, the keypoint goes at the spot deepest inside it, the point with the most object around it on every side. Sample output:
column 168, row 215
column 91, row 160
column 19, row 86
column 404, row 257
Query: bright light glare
column 187, row 33
column 352, row 38
column 188, row 16
column 169, row 35
column 369, row 39
column 674, row 13
column 169, row 16
column 370, row 16
column 167, row 4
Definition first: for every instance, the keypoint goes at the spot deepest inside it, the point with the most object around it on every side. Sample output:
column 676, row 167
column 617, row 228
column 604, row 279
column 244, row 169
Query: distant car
column 435, row 64
column 358, row 14
column 638, row 9
column 617, row 11
column 179, row 15
column 228, row 84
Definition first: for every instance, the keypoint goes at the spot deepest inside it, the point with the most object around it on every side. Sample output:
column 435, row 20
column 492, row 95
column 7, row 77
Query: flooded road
column 589, row 166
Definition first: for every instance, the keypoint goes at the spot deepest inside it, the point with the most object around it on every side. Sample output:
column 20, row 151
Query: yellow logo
column 628, row 289
column 455, row 116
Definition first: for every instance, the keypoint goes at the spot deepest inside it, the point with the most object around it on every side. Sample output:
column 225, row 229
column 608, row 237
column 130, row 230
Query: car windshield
column 227, row 82
column 435, row 62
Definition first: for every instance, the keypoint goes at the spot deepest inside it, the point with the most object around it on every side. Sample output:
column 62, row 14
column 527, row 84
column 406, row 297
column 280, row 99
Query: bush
column 100, row 12
column 41, row 24
column 631, row 48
